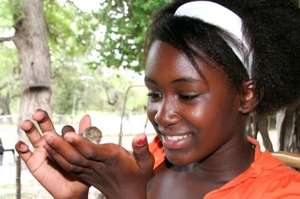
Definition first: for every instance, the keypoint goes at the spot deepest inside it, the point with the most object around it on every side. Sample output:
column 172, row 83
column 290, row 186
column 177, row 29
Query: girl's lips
column 175, row 141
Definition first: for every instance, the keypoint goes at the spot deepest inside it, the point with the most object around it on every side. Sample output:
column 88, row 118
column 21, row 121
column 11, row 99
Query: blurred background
column 72, row 57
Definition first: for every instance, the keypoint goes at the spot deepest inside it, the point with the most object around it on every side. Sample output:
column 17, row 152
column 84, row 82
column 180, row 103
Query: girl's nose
column 166, row 113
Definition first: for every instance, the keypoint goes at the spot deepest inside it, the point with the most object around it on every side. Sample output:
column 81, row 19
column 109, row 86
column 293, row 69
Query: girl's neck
column 223, row 165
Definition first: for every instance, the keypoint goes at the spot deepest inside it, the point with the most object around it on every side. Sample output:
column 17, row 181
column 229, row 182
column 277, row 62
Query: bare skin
column 203, row 108
column 45, row 170
column 108, row 167
column 200, row 119
column 192, row 180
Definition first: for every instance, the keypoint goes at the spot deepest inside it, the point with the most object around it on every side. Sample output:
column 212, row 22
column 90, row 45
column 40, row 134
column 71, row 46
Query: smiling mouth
column 174, row 138
column 175, row 141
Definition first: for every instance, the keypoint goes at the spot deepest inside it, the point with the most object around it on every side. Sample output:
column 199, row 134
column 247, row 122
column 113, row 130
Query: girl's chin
column 178, row 160
column 182, row 158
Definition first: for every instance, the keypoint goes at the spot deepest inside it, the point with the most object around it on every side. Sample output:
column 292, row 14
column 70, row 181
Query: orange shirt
column 266, row 178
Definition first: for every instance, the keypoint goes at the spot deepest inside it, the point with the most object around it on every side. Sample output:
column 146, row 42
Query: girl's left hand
column 108, row 167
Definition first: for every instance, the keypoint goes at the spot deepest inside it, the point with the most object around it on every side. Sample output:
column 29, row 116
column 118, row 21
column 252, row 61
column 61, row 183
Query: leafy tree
column 88, row 39
column 9, row 84
column 71, row 30
column 79, row 88
column 126, row 23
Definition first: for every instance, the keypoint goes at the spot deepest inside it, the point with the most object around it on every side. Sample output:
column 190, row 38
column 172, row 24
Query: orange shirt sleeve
column 283, row 185
column 156, row 149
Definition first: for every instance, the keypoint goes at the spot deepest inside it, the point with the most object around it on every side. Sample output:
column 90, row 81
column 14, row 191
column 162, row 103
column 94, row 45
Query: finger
column 33, row 160
column 142, row 154
column 31, row 131
column 67, row 129
column 91, row 151
column 44, row 121
column 84, row 123
column 64, row 149
column 62, row 162
column 23, row 151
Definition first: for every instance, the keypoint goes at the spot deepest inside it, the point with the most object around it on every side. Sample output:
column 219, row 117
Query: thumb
column 142, row 154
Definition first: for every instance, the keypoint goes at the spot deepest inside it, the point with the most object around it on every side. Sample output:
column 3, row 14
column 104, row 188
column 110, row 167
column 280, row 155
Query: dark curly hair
column 272, row 28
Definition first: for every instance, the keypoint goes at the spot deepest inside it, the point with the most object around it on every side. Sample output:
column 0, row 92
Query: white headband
column 223, row 18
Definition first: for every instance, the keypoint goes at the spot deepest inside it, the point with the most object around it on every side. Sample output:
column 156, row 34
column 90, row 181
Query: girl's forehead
column 164, row 58
column 166, row 64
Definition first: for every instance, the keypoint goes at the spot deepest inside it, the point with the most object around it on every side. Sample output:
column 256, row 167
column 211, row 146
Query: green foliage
column 70, row 29
column 77, row 88
column 10, row 12
column 9, row 76
column 137, row 99
column 66, row 89
column 83, row 44
column 126, row 25
column 8, row 63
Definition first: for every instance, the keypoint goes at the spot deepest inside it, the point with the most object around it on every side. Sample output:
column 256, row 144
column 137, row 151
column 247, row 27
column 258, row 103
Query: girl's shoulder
column 280, row 181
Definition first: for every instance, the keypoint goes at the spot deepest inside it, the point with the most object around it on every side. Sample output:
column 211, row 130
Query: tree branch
column 4, row 39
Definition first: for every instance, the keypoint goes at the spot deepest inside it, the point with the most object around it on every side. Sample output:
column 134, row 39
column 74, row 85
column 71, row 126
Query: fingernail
column 141, row 140
column 69, row 137
column 22, row 147
column 39, row 115
column 67, row 128
column 26, row 125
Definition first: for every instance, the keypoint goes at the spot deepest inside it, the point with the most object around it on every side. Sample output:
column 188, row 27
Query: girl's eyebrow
column 179, row 80
column 187, row 80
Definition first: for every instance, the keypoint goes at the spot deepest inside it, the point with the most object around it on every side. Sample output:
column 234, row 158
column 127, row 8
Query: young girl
column 208, row 65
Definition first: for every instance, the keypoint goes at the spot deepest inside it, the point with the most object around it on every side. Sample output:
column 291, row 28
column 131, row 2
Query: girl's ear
column 249, row 97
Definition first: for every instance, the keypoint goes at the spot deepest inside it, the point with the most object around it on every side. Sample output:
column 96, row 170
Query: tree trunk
column 5, row 104
column 31, row 40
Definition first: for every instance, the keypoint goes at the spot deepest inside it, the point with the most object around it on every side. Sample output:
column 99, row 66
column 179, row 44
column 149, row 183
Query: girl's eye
column 154, row 96
column 188, row 97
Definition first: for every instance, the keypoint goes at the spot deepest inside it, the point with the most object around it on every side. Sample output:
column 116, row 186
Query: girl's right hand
column 58, row 183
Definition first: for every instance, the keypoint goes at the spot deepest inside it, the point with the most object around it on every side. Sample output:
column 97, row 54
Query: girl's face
column 195, row 113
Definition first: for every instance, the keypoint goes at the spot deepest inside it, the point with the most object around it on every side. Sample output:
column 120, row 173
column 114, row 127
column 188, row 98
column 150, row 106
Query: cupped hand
column 60, row 184
column 117, row 173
